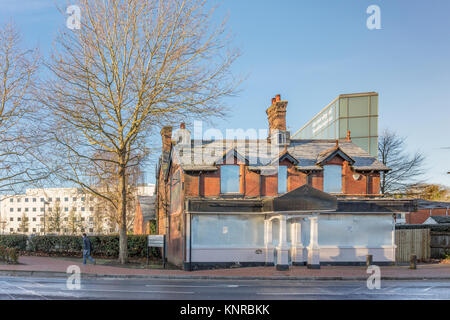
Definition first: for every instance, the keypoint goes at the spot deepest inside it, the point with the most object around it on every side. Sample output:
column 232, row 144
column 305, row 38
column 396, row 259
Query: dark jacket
column 87, row 245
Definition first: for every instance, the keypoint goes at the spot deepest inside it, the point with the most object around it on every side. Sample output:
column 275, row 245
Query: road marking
column 134, row 291
column 26, row 290
column 9, row 295
column 337, row 294
column 193, row 286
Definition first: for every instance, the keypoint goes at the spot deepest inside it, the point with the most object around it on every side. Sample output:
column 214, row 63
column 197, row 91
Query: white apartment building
column 37, row 206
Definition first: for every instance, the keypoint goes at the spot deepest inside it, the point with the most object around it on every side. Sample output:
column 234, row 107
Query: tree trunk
column 122, row 208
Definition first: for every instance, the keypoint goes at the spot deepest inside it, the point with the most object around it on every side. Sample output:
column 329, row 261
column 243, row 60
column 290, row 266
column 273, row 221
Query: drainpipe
column 190, row 242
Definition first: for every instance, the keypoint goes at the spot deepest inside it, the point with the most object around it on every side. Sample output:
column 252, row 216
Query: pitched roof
column 440, row 219
column 426, row 204
column 331, row 153
column 308, row 154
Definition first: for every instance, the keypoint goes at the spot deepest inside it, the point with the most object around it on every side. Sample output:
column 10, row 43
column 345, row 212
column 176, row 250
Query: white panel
column 355, row 230
column 227, row 231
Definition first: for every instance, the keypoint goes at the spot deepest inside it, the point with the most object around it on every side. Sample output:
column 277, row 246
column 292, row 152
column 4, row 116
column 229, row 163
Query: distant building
column 356, row 112
column 145, row 213
column 438, row 220
column 427, row 209
column 38, row 205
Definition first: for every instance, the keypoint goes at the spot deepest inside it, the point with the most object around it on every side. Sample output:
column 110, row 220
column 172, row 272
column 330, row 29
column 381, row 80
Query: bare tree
column 134, row 66
column 18, row 71
column 3, row 224
column 24, row 223
column 54, row 217
column 405, row 169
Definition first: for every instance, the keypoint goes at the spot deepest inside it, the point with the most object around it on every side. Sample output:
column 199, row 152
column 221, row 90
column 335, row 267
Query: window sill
column 231, row 195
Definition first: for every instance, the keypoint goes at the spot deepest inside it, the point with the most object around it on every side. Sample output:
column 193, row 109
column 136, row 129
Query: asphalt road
column 15, row 288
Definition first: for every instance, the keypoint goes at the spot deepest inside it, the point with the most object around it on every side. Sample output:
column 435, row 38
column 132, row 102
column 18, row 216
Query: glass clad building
column 357, row 112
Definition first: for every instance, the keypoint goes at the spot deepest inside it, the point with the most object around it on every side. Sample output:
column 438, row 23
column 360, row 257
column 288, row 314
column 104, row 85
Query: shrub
column 13, row 255
column 9, row 255
column 14, row 241
column 3, row 254
column 103, row 245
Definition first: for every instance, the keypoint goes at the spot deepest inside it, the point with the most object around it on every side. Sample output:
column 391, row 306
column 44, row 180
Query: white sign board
column 156, row 241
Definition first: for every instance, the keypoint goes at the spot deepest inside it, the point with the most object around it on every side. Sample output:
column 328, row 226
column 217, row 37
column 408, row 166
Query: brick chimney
column 166, row 136
column 276, row 114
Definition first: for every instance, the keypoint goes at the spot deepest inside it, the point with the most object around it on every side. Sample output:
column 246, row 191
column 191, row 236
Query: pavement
column 54, row 267
column 20, row 288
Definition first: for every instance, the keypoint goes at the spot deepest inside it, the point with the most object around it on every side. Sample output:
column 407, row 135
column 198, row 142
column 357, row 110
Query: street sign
column 156, row 241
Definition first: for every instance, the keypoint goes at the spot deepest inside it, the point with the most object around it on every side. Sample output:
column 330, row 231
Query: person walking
column 87, row 248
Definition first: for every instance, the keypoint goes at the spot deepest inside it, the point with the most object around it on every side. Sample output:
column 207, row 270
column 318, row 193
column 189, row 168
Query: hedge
column 107, row 246
column 16, row 241
column 9, row 255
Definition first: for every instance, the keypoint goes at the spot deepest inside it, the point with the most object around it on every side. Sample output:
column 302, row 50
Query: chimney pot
column 166, row 135
column 349, row 138
column 337, row 143
column 276, row 115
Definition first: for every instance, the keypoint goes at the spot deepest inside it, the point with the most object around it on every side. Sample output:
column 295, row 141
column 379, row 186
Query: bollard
column 369, row 260
column 413, row 262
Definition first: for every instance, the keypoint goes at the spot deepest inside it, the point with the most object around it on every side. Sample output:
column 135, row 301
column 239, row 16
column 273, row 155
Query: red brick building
column 145, row 213
column 244, row 170
column 426, row 209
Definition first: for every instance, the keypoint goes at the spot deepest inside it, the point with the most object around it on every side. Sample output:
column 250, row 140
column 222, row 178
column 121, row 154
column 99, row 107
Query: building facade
column 37, row 212
column 230, row 202
column 356, row 112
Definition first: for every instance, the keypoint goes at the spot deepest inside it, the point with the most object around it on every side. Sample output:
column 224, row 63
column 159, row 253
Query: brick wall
column 420, row 216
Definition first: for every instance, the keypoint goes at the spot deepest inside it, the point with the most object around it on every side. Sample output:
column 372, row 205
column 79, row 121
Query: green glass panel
column 343, row 107
column 374, row 105
column 358, row 106
column 374, row 147
column 374, row 126
column 359, row 127
column 363, row 143
column 342, row 128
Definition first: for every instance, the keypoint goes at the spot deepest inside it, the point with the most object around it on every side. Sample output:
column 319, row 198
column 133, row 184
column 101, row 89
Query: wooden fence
column 412, row 241
column 440, row 244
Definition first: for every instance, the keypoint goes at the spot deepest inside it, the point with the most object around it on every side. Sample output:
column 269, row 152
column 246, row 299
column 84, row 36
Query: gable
column 304, row 198
column 329, row 155
column 232, row 156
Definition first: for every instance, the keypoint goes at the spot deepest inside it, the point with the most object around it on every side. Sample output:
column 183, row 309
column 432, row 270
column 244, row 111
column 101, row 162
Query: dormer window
column 229, row 179
column 282, row 138
column 332, row 178
column 279, row 137
column 282, row 179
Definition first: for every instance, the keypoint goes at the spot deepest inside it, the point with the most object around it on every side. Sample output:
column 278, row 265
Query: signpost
column 157, row 241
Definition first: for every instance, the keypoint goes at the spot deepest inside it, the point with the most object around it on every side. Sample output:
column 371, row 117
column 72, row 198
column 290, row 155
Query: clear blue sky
column 312, row 51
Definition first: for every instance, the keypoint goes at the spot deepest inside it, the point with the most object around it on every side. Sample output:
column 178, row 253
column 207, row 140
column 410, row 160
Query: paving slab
column 48, row 266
